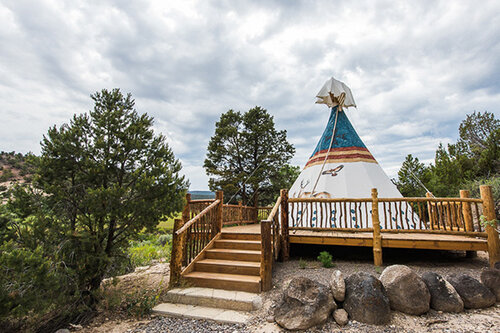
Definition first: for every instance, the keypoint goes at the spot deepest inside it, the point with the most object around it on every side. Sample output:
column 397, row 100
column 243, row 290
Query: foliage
column 246, row 147
column 143, row 252
column 326, row 259
column 302, row 263
column 484, row 222
column 100, row 181
column 474, row 157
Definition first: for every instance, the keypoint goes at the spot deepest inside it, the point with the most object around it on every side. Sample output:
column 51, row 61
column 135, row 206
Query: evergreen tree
column 246, row 154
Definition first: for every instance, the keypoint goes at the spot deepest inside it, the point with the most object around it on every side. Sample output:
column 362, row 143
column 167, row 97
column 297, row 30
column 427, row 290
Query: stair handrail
column 197, row 217
column 274, row 211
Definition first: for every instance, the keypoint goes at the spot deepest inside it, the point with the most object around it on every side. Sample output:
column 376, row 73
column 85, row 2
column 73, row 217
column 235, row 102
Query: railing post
column 467, row 211
column 468, row 224
column 489, row 214
column 377, row 238
column 430, row 210
column 266, row 260
column 176, row 256
column 256, row 206
column 240, row 211
column 186, row 216
column 285, row 237
column 219, row 195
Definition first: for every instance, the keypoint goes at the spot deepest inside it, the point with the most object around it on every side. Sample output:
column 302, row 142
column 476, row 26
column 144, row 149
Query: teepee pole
column 328, row 152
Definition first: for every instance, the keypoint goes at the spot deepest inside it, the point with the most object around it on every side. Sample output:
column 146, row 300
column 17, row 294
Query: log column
column 219, row 195
column 266, row 260
column 186, row 216
column 489, row 213
column 176, row 256
column 377, row 238
column 240, row 211
column 468, row 224
column 285, row 237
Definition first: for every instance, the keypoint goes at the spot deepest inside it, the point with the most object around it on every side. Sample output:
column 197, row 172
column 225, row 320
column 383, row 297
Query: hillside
column 13, row 169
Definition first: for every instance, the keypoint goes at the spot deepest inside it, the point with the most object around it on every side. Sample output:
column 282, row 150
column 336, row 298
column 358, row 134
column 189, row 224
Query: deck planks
column 413, row 240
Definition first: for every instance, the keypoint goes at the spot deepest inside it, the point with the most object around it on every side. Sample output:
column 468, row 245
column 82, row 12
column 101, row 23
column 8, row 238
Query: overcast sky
column 415, row 69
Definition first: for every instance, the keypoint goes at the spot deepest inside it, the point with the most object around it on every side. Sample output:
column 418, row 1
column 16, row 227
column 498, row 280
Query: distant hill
column 198, row 195
column 13, row 169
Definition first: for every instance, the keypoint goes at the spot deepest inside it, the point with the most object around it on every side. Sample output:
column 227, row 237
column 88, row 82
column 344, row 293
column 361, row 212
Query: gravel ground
column 170, row 324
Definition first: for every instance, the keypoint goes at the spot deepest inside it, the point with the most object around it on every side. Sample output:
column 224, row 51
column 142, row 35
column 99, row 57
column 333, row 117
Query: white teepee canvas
column 341, row 166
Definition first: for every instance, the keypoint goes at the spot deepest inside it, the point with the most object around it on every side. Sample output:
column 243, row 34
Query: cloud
column 415, row 69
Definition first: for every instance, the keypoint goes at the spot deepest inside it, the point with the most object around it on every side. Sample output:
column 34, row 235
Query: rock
column 474, row 294
column 303, row 304
column 337, row 285
column 406, row 290
column 341, row 317
column 490, row 277
column 443, row 296
column 366, row 300
column 62, row 330
column 270, row 319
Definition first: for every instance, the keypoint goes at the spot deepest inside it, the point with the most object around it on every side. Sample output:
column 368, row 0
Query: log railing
column 192, row 234
column 454, row 216
column 270, row 244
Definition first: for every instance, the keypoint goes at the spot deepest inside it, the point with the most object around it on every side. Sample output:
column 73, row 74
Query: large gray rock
column 406, row 290
column 341, row 317
column 474, row 294
column 366, row 300
column 337, row 286
column 497, row 265
column 490, row 277
column 443, row 296
column 304, row 304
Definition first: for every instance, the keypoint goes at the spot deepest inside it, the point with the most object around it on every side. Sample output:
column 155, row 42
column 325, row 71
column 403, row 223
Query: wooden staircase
column 232, row 262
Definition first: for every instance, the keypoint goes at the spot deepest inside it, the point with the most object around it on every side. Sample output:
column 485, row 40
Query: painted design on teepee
column 333, row 172
column 347, row 145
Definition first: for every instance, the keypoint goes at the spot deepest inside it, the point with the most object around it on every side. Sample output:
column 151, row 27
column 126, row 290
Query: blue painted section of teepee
column 345, row 135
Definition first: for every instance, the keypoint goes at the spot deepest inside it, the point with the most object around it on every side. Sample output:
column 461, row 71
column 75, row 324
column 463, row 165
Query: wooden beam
column 176, row 256
column 219, row 196
column 266, row 261
column 377, row 238
column 285, row 237
column 489, row 213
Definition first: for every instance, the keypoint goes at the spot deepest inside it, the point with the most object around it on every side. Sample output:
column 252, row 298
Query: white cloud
column 415, row 69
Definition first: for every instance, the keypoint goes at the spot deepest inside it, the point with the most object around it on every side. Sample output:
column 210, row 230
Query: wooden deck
column 413, row 240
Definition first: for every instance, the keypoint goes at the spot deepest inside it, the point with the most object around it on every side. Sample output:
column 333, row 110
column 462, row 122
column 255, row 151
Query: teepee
column 341, row 166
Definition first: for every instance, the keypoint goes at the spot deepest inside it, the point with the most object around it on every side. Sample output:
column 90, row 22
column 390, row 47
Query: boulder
column 406, row 290
column 490, row 277
column 337, row 286
column 443, row 296
column 497, row 265
column 474, row 294
column 366, row 300
column 303, row 304
column 341, row 317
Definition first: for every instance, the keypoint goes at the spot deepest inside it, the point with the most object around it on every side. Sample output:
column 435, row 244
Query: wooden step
column 241, row 236
column 241, row 244
column 224, row 281
column 228, row 266
column 232, row 254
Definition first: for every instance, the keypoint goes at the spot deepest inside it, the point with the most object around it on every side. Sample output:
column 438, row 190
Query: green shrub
column 302, row 263
column 143, row 252
column 326, row 259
